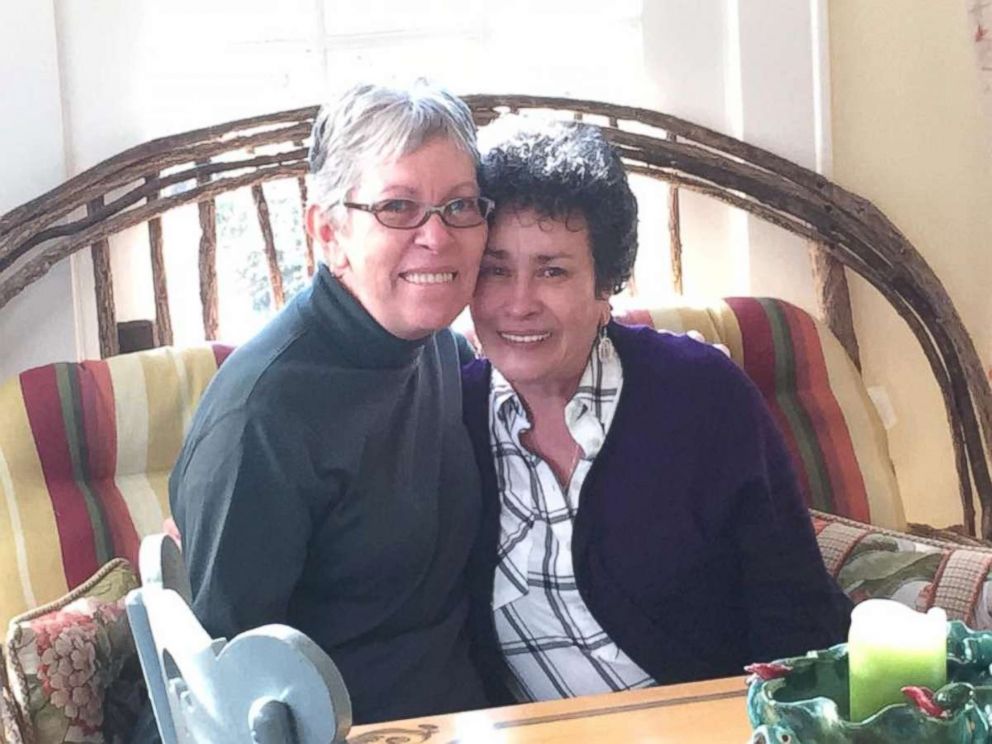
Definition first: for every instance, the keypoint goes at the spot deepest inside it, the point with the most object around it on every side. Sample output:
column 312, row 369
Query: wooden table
column 711, row 711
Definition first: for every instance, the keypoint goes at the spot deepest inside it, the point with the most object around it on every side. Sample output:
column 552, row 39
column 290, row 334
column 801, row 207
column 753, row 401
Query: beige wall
column 38, row 325
column 910, row 134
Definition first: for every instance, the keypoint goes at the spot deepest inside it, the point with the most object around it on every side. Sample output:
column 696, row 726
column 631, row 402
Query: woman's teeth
column 514, row 338
column 448, row 276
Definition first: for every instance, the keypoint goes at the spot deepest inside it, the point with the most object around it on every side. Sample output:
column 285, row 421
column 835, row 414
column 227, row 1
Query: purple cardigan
column 693, row 548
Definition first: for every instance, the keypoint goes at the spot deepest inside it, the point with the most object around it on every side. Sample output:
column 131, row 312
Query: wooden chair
column 197, row 692
column 142, row 184
column 270, row 685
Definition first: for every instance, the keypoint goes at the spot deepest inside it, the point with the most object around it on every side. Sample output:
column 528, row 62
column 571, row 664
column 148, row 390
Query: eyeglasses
column 406, row 214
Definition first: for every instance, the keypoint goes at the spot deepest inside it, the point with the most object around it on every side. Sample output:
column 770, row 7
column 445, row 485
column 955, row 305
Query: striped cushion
column 815, row 393
column 85, row 454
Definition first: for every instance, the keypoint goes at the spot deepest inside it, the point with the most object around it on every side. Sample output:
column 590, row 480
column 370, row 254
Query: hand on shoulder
column 697, row 336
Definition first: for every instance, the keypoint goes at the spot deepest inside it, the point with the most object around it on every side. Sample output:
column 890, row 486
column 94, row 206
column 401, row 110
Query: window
column 202, row 64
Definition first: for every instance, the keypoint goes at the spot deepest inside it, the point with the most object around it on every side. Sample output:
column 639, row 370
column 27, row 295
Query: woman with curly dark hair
column 643, row 524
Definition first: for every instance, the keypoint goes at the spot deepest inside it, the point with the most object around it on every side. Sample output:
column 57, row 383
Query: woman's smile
column 429, row 278
column 524, row 338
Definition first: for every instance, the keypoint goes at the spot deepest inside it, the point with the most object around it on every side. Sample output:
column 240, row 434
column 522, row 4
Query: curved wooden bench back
column 196, row 167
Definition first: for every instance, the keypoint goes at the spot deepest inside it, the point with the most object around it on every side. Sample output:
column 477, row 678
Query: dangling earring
column 604, row 347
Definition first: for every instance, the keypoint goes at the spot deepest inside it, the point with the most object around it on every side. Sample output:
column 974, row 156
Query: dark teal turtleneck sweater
column 327, row 483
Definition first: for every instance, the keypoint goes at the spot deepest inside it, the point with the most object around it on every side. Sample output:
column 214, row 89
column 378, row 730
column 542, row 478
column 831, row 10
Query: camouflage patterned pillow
column 871, row 562
column 62, row 658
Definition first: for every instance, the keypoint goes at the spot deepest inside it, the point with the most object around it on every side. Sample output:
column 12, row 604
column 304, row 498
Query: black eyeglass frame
column 486, row 207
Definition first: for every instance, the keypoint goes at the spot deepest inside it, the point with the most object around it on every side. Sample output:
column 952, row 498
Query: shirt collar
column 587, row 415
column 361, row 339
column 503, row 394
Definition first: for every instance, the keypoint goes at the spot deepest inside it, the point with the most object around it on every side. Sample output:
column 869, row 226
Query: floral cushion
column 63, row 660
column 10, row 721
column 921, row 573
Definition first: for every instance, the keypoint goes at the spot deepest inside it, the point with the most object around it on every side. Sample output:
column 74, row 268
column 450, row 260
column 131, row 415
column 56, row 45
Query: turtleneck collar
column 364, row 343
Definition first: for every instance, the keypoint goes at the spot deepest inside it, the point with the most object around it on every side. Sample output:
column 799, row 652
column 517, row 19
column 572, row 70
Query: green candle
column 889, row 647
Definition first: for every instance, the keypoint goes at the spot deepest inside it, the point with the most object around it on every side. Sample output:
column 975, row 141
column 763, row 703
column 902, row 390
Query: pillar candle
column 889, row 647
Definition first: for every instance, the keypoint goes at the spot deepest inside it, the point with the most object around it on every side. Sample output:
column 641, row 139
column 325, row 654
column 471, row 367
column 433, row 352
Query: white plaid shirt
column 552, row 643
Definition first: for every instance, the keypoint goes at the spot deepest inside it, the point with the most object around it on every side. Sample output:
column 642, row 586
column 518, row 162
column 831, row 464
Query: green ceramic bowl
column 804, row 700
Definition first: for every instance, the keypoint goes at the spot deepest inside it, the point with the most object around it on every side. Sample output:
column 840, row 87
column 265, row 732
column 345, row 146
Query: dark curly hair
column 557, row 169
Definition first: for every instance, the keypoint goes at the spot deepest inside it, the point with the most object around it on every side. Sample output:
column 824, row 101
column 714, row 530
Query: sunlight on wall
column 909, row 134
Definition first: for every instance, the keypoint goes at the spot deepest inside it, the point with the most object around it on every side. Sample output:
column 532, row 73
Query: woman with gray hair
column 327, row 481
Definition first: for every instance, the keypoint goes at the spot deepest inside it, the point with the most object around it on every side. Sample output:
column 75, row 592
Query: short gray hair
column 371, row 122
